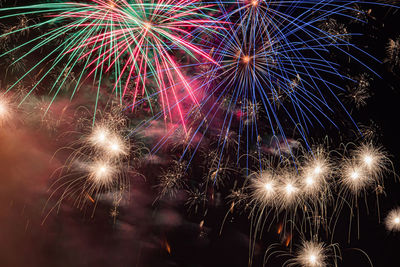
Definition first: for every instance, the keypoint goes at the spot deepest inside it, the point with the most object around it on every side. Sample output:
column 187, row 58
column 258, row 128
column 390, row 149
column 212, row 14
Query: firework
column 104, row 139
column 354, row 178
column 130, row 42
column 172, row 180
column 289, row 191
column 98, row 166
column 337, row 30
column 370, row 131
column 264, row 189
column 195, row 199
column 101, row 173
column 311, row 196
column 110, row 142
column 4, row 110
column 360, row 92
column 364, row 169
column 311, row 254
column 9, row 113
column 238, row 198
column 276, row 194
column 274, row 67
column 393, row 51
column 315, row 174
column 217, row 171
column 392, row 220
column 87, row 181
column 272, row 70
column 373, row 159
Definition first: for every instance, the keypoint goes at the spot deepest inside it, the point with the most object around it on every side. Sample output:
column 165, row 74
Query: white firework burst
column 392, row 220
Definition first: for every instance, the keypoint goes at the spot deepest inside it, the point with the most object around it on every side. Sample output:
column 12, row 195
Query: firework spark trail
column 137, row 42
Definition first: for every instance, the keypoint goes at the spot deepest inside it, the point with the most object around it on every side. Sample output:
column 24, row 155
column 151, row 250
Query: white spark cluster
column 108, row 149
column 392, row 220
column 265, row 189
column 372, row 159
column 101, row 173
column 311, row 254
column 289, row 191
column 315, row 174
column 354, row 178
column 108, row 141
column 288, row 188
column 4, row 110
column 364, row 169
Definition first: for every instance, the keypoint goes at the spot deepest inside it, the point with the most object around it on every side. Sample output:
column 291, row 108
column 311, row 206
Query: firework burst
column 311, row 254
column 99, row 166
column 264, row 189
column 4, row 110
column 272, row 62
column 392, row 220
column 364, row 169
column 129, row 42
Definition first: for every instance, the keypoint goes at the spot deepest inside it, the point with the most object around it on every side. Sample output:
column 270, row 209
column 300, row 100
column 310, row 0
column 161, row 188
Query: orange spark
column 280, row 227
column 90, row 198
